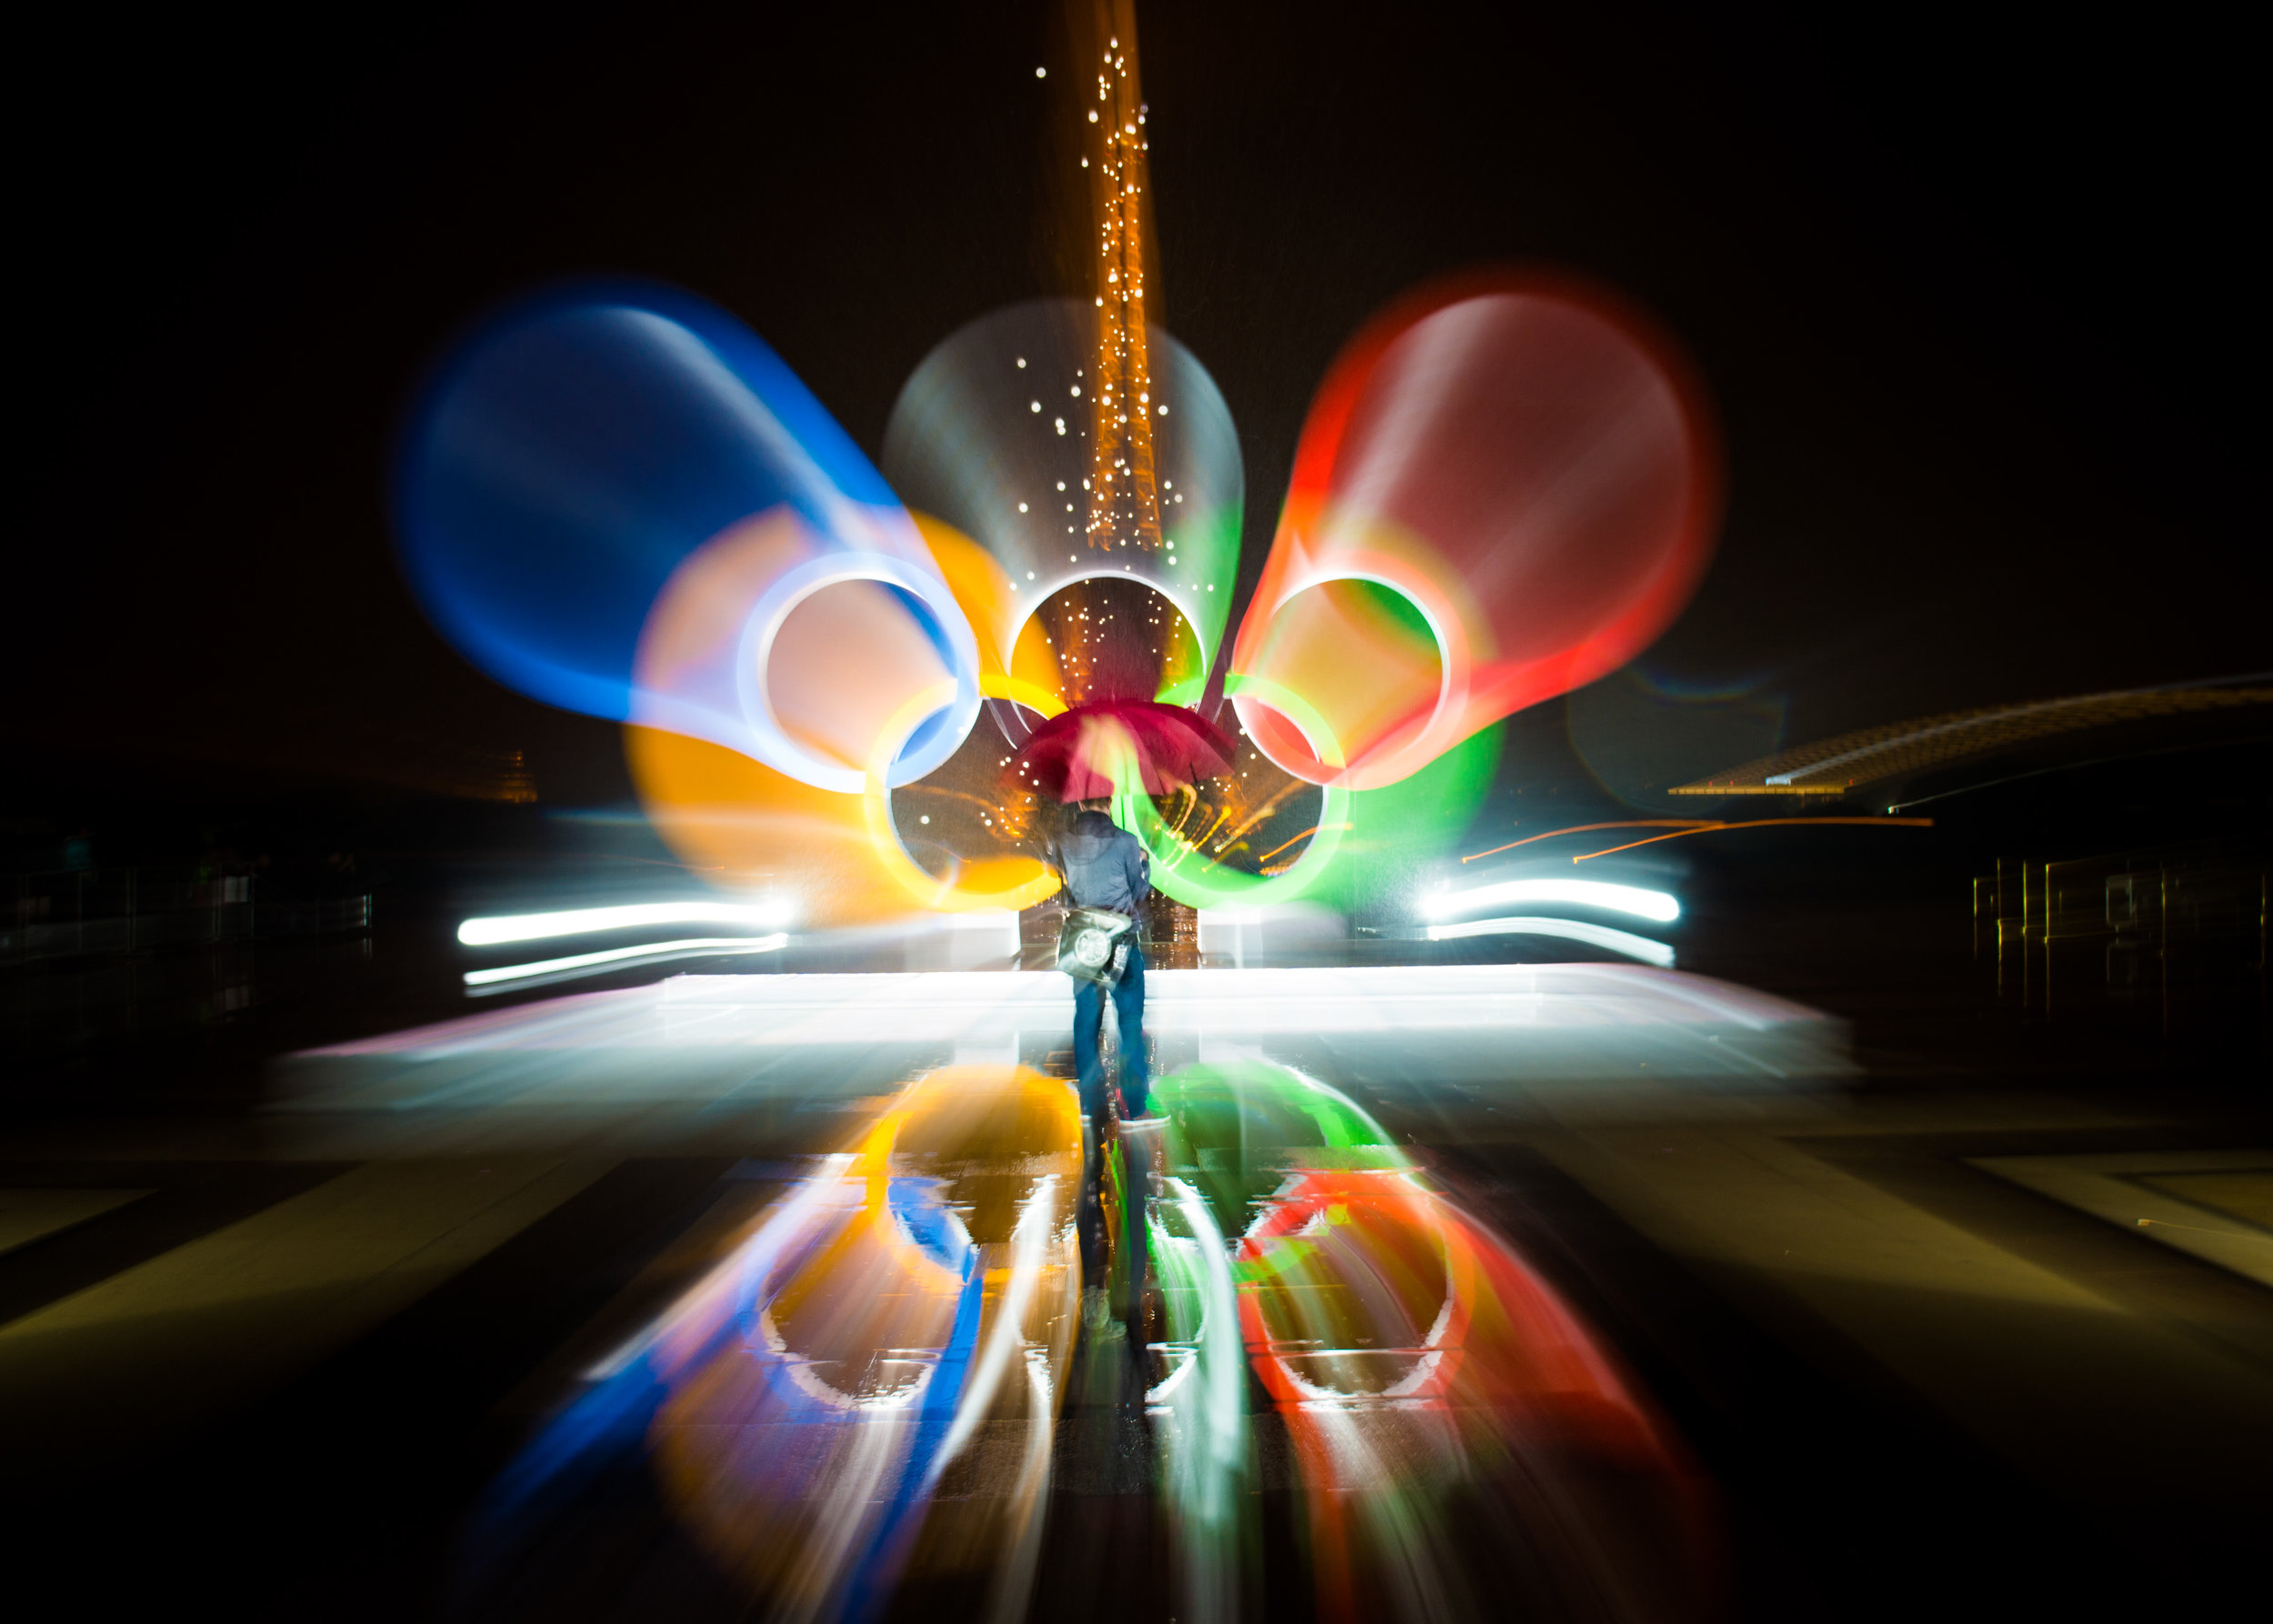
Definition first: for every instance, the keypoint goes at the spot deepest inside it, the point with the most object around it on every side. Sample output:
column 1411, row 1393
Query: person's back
column 1104, row 865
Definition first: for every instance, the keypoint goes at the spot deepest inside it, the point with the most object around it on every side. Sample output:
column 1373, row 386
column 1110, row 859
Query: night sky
column 1970, row 297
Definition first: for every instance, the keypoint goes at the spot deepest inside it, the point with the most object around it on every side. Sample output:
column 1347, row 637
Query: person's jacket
column 1103, row 866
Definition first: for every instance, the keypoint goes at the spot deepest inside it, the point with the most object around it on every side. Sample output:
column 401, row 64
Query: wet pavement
column 1557, row 1291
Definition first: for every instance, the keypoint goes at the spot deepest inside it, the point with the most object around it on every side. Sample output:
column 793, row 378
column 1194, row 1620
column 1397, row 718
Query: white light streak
column 1576, row 930
column 718, row 944
column 1585, row 893
column 584, row 921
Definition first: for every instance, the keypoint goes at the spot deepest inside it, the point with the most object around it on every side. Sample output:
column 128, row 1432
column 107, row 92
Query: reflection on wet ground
column 1555, row 1291
column 861, row 1392
column 1463, row 1441
column 853, row 1413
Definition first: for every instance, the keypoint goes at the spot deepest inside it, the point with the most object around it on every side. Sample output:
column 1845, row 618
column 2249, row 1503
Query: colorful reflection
column 854, row 1411
column 1464, row 1446
column 861, row 1395
column 1201, row 1400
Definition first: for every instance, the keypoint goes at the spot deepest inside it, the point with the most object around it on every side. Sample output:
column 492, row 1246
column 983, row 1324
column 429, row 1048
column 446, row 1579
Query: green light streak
column 1369, row 842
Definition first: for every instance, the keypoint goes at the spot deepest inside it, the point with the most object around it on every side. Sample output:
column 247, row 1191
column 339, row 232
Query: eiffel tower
column 1124, row 501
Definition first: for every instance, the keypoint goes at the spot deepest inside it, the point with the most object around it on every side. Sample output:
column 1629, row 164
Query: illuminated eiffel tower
column 1123, row 503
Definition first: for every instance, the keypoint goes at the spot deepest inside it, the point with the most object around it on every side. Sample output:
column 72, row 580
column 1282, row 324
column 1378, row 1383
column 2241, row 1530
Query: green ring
column 1210, row 884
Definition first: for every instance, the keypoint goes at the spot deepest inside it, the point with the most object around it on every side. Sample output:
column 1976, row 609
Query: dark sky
column 1971, row 295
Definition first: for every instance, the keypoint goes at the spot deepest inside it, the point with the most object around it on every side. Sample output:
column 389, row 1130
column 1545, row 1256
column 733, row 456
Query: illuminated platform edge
column 963, row 1006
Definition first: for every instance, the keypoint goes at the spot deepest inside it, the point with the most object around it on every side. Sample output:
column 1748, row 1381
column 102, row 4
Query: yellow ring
column 943, row 895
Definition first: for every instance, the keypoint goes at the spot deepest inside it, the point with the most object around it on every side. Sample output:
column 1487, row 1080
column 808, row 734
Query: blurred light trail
column 1835, row 766
column 650, row 952
column 962, row 447
column 1759, row 823
column 1283, row 845
column 1581, row 828
column 1576, row 930
column 1507, row 486
column 1413, row 1357
column 584, row 922
column 614, row 498
column 1202, row 1400
column 1584, row 892
column 864, row 1389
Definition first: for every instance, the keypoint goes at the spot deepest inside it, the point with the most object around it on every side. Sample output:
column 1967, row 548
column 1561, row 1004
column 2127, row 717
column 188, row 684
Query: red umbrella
column 1093, row 749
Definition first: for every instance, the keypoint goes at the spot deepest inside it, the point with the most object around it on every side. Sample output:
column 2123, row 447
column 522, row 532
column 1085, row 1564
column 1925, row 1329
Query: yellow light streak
column 1762, row 823
column 1581, row 828
column 1306, row 834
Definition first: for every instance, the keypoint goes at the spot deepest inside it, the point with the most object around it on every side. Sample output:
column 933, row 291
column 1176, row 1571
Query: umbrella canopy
column 1094, row 749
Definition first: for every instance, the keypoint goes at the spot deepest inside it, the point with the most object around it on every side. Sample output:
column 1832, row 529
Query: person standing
column 1103, row 866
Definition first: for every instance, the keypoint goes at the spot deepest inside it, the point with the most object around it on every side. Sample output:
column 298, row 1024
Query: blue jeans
column 1128, row 1008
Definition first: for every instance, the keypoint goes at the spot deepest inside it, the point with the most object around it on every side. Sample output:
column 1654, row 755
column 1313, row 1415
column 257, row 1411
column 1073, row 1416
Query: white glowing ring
column 1453, row 657
column 1452, row 669
column 1030, row 604
column 774, row 746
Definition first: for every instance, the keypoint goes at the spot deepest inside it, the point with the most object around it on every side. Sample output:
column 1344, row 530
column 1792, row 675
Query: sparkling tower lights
column 1124, row 500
